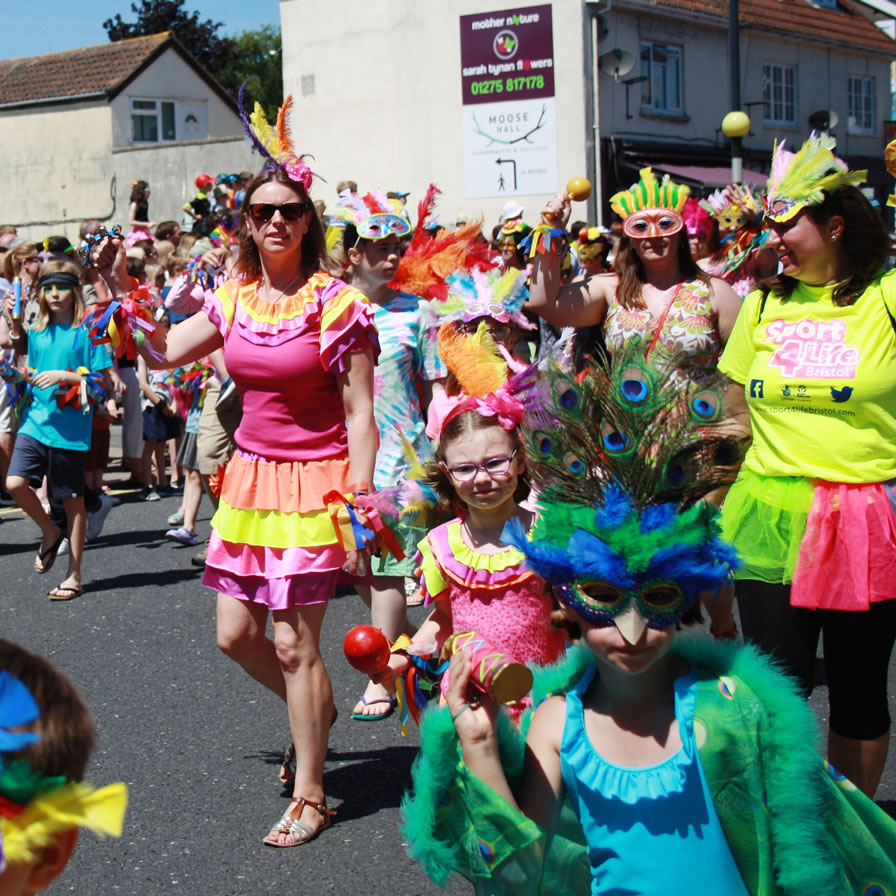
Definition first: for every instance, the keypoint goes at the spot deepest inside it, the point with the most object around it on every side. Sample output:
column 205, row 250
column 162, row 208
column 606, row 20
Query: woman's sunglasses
column 289, row 211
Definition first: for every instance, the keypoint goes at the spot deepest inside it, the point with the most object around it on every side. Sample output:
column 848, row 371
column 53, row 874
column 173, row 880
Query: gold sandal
column 299, row 831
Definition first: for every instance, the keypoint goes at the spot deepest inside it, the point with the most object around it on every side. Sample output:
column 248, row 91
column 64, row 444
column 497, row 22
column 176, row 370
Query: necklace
column 282, row 292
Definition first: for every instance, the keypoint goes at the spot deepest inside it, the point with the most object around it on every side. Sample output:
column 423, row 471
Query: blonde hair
column 12, row 261
column 60, row 267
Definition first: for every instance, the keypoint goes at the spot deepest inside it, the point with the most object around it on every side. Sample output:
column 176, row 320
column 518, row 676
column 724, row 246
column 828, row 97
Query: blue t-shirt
column 650, row 830
column 60, row 347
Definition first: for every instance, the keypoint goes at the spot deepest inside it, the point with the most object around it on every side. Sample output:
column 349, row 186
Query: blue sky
column 30, row 29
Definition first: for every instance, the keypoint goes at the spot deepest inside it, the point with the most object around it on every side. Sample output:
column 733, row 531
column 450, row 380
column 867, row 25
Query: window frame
column 648, row 93
column 870, row 98
column 769, row 70
column 158, row 113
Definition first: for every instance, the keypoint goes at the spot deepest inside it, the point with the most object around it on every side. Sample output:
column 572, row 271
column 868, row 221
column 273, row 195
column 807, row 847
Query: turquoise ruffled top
column 651, row 830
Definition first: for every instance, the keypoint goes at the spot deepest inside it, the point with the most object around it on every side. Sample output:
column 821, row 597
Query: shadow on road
column 373, row 780
column 142, row 579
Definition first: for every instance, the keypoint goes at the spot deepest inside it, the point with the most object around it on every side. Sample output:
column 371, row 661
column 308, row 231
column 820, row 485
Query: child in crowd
column 198, row 214
column 698, row 755
column 160, row 423
column 138, row 215
column 407, row 375
column 476, row 580
column 47, row 738
column 54, row 438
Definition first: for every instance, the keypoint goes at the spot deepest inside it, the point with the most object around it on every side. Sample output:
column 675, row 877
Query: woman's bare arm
column 727, row 304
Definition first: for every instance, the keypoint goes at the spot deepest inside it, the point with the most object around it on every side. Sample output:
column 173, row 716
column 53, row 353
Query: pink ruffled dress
column 273, row 541
column 493, row 595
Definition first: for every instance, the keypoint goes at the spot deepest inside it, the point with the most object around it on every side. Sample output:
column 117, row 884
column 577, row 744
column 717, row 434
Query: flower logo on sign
column 505, row 44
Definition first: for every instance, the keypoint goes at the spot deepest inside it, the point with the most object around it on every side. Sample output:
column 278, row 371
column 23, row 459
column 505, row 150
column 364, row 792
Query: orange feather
column 283, row 134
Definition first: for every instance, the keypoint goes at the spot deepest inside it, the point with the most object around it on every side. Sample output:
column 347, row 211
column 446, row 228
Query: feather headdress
column 275, row 143
column 649, row 193
column 496, row 294
column 33, row 808
column 802, row 178
column 621, row 453
column 431, row 259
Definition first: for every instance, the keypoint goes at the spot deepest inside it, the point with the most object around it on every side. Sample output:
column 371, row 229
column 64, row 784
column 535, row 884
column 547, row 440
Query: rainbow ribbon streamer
column 124, row 324
column 90, row 391
column 355, row 535
column 18, row 385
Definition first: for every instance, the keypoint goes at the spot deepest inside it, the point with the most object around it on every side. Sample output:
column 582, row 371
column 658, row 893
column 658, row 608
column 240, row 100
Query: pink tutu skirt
column 847, row 557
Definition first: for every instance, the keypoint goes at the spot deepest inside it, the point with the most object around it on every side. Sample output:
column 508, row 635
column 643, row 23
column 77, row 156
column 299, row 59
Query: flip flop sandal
column 66, row 593
column 298, row 831
column 375, row 717
column 44, row 560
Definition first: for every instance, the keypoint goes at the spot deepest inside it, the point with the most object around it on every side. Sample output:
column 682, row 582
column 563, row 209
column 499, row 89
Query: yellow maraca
column 579, row 189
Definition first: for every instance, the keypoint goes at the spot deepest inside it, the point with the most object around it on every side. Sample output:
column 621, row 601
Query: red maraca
column 367, row 649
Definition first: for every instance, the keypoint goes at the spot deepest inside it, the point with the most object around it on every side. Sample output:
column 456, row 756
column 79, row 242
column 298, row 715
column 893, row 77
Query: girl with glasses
column 473, row 578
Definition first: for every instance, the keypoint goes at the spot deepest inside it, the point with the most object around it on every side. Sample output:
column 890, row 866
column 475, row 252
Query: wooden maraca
column 367, row 649
column 578, row 189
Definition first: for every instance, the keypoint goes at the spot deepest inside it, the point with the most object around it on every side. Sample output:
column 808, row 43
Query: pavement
column 197, row 741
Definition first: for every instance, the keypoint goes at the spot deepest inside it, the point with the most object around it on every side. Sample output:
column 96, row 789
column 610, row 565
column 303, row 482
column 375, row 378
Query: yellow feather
column 264, row 131
column 73, row 805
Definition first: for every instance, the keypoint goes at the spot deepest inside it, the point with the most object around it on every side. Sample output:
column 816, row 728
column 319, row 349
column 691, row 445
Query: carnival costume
column 742, row 219
column 688, row 326
column 272, row 539
column 475, row 295
column 622, row 457
column 33, row 807
column 813, row 502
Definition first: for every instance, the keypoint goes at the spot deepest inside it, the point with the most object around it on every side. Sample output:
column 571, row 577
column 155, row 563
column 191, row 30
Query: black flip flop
column 48, row 557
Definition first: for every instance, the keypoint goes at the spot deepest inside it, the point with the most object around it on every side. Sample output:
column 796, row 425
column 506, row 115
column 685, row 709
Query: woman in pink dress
column 300, row 347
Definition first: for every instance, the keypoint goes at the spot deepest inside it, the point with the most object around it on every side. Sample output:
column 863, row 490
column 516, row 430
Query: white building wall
column 378, row 95
column 57, row 167
column 170, row 78
column 67, row 163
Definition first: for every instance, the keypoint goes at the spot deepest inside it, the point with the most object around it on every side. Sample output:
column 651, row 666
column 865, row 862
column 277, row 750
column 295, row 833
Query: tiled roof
column 90, row 71
column 844, row 25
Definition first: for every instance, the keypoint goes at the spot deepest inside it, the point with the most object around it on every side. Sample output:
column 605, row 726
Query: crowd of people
column 566, row 440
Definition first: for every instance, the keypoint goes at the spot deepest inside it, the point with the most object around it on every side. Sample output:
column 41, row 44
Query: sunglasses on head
column 289, row 211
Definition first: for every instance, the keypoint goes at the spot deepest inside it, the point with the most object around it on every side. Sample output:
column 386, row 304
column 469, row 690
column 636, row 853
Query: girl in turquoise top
column 621, row 746
column 687, row 767
column 54, row 437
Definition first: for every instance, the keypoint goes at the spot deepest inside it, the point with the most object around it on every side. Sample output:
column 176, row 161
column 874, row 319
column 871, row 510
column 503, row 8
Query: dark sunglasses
column 289, row 211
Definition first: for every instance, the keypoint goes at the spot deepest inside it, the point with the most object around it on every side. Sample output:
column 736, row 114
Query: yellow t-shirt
column 820, row 381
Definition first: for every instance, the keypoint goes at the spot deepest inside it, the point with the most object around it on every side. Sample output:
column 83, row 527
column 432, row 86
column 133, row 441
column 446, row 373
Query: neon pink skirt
column 847, row 557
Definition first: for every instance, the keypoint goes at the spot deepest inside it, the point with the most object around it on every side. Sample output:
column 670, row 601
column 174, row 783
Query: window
column 661, row 66
column 779, row 93
column 152, row 121
column 860, row 99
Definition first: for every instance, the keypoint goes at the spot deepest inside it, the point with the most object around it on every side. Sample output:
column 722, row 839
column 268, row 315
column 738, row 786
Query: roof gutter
column 44, row 101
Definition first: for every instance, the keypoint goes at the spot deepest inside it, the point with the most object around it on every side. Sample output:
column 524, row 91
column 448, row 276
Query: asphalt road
column 197, row 742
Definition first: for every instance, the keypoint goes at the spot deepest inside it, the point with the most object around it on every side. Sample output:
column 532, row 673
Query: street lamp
column 736, row 126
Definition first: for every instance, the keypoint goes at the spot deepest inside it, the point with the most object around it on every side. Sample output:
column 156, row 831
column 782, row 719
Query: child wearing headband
column 69, row 376
column 46, row 737
column 474, row 578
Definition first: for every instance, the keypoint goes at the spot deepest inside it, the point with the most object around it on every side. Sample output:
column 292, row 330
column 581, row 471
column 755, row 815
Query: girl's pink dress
column 492, row 594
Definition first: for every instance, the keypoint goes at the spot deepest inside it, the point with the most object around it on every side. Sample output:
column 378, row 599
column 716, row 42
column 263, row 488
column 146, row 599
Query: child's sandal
column 298, row 831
